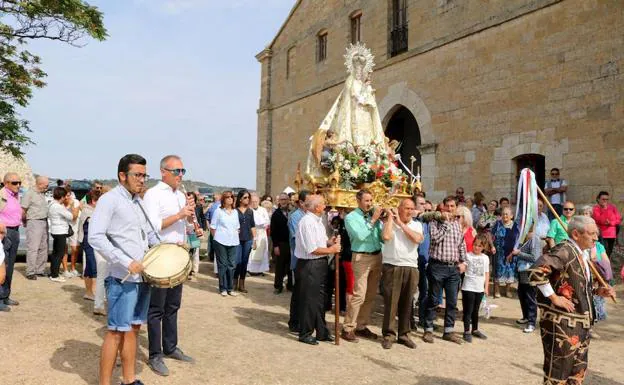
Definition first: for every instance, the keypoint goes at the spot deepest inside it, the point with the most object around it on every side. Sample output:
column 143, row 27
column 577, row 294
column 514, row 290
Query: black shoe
column 278, row 291
column 293, row 329
column 10, row 302
column 136, row 382
column 158, row 366
column 180, row 356
column 467, row 337
column 32, row 277
column 327, row 338
column 309, row 340
column 478, row 334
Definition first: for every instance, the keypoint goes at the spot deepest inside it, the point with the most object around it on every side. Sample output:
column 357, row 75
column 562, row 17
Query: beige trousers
column 367, row 273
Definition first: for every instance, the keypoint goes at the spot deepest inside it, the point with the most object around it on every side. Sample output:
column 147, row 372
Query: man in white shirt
column 312, row 249
column 401, row 236
column 555, row 190
column 170, row 211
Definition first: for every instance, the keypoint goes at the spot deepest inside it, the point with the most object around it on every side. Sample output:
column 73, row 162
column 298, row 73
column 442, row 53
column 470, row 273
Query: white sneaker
column 529, row 329
column 233, row 293
column 75, row 273
column 224, row 293
column 67, row 274
column 58, row 279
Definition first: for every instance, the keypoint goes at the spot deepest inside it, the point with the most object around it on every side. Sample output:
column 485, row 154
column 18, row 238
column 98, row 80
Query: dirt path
column 53, row 338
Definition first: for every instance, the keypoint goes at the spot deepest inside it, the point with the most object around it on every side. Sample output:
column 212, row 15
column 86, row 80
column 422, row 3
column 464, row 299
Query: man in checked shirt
column 447, row 253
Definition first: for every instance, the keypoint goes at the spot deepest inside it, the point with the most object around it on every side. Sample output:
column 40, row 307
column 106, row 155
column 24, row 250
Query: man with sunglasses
column 171, row 212
column 119, row 231
column 11, row 217
column 555, row 189
column 35, row 208
column 556, row 233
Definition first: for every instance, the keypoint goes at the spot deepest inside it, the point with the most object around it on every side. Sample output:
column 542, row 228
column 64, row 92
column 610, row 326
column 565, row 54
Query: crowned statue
column 353, row 120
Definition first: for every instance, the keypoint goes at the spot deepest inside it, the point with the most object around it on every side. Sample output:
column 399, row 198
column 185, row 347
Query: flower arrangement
column 365, row 164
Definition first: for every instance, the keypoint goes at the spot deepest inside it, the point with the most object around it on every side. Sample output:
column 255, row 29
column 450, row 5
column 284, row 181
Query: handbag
column 70, row 232
column 194, row 241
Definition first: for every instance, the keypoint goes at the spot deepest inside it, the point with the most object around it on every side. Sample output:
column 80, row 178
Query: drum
column 166, row 265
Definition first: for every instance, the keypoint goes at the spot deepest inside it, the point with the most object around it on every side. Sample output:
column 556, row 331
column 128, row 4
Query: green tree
column 67, row 21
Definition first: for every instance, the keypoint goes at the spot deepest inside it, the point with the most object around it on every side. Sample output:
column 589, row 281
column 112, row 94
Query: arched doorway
column 535, row 163
column 403, row 127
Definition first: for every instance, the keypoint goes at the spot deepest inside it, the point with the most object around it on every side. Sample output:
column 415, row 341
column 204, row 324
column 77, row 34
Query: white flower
column 346, row 165
column 340, row 158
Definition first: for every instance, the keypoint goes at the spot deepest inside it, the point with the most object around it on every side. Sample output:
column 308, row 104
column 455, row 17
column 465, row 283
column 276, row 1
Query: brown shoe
column 366, row 333
column 452, row 337
column 387, row 341
column 405, row 340
column 348, row 336
column 428, row 337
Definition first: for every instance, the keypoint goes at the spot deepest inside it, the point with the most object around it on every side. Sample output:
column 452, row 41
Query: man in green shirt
column 557, row 233
column 364, row 229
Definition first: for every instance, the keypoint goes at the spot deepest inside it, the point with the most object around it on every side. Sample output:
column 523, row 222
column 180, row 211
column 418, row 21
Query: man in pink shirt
column 607, row 218
column 11, row 218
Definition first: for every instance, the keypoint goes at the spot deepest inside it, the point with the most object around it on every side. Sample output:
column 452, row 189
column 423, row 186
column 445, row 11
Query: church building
column 475, row 90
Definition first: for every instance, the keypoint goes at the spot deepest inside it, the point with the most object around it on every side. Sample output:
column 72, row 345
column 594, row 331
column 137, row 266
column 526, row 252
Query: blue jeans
column 242, row 258
column 422, row 290
column 225, row 257
column 128, row 303
column 442, row 276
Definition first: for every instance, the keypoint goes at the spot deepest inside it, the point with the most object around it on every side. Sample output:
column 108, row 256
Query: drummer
column 171, row 212
column 120, row 233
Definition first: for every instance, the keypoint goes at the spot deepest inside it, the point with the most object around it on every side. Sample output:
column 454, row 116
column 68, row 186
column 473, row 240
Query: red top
column 469, row 237
column 601, row 216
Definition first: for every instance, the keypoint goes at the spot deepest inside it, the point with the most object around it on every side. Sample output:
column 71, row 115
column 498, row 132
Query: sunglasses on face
column 16, row 183
column 176, row 171
column 568, row 209
column 138, row 175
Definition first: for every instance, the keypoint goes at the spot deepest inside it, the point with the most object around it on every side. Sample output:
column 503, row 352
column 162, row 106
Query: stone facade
column 9, row 163
column 487, row 81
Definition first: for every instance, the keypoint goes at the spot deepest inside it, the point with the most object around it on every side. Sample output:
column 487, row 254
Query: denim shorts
column 128, row 303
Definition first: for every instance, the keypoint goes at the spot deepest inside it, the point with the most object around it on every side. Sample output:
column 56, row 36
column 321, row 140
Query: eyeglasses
column 16, row 183
column 138, row 175
column 176, row 171
column 568, row 209
column 245, row 197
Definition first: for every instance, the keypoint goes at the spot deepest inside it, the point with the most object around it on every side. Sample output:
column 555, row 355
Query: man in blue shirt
column 119, row 231
column 423, row 258
column 293, row 223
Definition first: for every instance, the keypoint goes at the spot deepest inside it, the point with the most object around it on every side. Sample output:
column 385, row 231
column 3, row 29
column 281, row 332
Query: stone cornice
column 264, row 54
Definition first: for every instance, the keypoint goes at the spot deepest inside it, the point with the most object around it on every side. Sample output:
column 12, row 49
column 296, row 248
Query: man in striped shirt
column 447, row 253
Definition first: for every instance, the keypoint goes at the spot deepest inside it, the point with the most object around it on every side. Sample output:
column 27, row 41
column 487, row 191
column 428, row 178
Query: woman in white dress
column 259, row 258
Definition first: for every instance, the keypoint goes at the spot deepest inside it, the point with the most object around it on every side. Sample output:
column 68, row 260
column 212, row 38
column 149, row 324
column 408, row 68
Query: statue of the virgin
column 353, row 118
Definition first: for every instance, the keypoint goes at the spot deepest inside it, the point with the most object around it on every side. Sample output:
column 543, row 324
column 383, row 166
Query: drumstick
column 144, row 267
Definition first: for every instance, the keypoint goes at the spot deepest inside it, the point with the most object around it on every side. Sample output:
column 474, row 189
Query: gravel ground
column 52, row 337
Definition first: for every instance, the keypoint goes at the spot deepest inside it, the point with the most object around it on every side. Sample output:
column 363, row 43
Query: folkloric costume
column 565, row 336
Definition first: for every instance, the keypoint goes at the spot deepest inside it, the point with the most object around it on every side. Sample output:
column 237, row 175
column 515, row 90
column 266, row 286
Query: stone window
column 290, row 61
column 321, row 46
column 356, row 18
column 398, row 27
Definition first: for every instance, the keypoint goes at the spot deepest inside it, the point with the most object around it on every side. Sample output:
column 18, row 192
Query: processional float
column 349, row 151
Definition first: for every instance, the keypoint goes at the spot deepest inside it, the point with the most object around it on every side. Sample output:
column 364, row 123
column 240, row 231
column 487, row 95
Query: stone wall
column 9, row 163
column 486, row 81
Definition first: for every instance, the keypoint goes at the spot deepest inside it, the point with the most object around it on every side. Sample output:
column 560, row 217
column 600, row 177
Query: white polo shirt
column 162, row 202
column 400, row 250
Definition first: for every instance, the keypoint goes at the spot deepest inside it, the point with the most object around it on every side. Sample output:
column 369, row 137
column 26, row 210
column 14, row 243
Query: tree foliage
column 21, row 21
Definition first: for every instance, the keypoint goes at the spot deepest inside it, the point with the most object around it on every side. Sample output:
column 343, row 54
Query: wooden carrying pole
column 337, row 300
column 595, row 271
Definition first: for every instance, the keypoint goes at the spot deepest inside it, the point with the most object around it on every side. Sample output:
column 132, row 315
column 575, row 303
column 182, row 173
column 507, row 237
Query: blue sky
column 174, row 76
